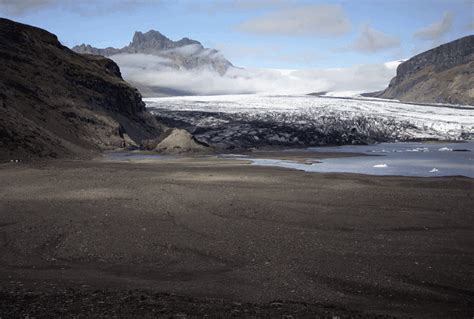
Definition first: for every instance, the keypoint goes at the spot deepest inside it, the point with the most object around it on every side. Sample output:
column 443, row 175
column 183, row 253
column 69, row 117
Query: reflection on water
column 406, row 159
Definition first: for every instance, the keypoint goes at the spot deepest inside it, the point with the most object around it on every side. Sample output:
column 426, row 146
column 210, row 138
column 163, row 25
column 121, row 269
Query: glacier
column 292, row 120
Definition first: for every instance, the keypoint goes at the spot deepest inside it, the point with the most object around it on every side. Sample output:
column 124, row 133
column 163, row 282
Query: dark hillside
column 58, row 103
column 444, row 74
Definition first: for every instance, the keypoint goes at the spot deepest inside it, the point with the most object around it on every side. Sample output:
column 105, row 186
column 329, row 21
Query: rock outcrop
column 57, row 103
column 185, row 53
column 444, row 74
column 179, row 141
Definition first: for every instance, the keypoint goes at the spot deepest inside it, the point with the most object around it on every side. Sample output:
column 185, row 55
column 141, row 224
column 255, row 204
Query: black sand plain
column 220, row 238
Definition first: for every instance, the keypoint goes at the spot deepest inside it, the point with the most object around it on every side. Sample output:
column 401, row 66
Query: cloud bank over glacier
column 151, row 73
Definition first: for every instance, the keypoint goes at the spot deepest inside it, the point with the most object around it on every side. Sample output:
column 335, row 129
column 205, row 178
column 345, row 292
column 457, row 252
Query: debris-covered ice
column 253, row 120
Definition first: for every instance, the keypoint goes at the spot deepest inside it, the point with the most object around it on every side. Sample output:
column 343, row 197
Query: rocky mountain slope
column 185, row 54
column 57, row 103
column 444, row 74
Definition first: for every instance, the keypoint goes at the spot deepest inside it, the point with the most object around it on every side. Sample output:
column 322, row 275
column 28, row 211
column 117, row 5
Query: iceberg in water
column 419, row 149
column 380, row 165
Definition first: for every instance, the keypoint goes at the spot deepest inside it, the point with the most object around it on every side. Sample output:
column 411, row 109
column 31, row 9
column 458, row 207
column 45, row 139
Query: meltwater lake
column 403, row 159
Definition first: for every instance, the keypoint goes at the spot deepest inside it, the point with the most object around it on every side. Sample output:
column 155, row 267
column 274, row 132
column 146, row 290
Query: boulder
column 179, row 141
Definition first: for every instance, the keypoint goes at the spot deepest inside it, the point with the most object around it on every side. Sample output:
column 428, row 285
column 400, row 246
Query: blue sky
column 261, row 33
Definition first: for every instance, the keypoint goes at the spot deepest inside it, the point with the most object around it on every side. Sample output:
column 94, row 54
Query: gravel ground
column 196, row 237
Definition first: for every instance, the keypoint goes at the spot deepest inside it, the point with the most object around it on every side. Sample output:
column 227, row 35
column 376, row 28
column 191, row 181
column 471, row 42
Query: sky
column 278, row 34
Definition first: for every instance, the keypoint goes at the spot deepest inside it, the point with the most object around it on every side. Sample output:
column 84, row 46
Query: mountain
column 184, row 54
column 444, row 74
column 57, row 103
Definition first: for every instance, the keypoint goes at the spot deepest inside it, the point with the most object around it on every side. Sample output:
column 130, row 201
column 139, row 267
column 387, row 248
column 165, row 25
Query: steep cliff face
column 57, row 103
column 444, row 74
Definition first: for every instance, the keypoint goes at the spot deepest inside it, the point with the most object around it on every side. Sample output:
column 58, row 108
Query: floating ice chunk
column 445, row 149
column 380, row 165
column 434, row 170
column 419, row 149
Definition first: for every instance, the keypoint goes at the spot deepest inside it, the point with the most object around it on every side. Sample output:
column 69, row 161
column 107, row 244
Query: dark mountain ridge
column 444, row 74
column 155, row 43
column 149, row 42
column 57, row 103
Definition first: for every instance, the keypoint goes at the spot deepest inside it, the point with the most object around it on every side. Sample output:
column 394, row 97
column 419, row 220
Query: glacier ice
column 309, row 120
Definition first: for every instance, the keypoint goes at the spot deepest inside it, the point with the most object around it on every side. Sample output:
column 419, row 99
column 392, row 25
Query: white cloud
column 190, row 49
column 150, row 71
column 436, row 30
column 216, row 7
column 18, row 7
column 138, row 61
column 86, row 8
column 370, row 40
column 302, row 20
column 361, row 78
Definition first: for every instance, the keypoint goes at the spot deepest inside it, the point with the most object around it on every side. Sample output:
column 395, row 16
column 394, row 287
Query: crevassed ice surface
column 443, row 122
